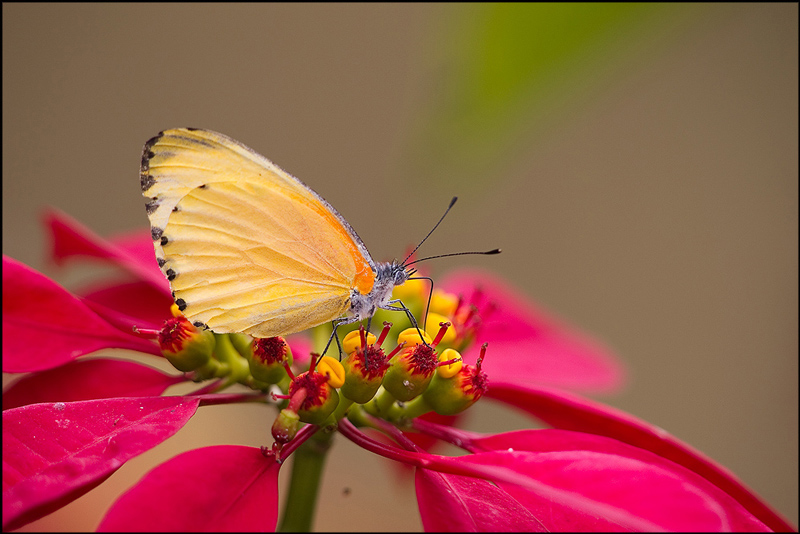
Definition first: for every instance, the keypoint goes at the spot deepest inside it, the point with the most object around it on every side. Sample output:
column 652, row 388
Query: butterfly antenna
column 488, row 252
column 429, row 233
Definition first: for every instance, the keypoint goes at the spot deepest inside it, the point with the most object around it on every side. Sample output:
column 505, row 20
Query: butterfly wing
column 246, row 246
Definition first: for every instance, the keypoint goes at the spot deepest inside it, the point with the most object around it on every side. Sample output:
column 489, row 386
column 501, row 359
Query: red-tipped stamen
column 459, row 303
column 480, row 358
column 289, row 371
column 397, row 349
column 444, row 326
column 363, row 334
column 148, row 333
column 473, row 310
column 276, row 396
column 448, row 362
column 313, row 365
column 298, row 399
column 385, row 332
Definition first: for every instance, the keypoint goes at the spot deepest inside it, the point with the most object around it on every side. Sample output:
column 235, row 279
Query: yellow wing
column 246, row 246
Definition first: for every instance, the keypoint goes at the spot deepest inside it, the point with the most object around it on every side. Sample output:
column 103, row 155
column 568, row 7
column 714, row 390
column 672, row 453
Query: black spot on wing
column 171, row 274
column 146, row 181
column 155, row 233
column 164, row 240
column 147, row 152
column 200, row 324
column 152, row 205
column 193, row 129
column 181, row 304
column 162, row 262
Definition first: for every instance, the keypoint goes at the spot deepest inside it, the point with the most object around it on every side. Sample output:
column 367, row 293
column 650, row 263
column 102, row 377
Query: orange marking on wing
column 364, row 278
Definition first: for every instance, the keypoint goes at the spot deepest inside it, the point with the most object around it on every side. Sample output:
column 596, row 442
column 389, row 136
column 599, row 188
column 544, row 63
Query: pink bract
column 239, row 494
column 55, row 452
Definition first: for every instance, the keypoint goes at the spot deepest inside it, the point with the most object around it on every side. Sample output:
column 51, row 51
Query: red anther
column 385, row 332
column 397, row 349
column 314, row 357
column 275, row 396
column 444, row 326
column 363, row 334
column 480, row 358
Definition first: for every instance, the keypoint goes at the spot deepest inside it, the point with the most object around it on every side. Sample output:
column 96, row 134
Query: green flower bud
column 316, row 408
column 365, row 368
column 451, row 394
column 410, row 372
column 184, row 345
column 285, row 426
column 267, row 358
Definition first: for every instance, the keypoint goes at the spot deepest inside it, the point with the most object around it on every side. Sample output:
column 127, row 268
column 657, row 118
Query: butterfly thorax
column 387, row 276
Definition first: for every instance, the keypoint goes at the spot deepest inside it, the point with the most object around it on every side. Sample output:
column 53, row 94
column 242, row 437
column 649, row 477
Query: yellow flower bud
column 333, row 369
column 452, row 369
column 411, row 337
column 352, row 341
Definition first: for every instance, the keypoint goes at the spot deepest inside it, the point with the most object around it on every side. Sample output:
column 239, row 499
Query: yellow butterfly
column 248, row 248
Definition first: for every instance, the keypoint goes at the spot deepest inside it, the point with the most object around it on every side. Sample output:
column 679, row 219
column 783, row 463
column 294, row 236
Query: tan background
column 660, row 214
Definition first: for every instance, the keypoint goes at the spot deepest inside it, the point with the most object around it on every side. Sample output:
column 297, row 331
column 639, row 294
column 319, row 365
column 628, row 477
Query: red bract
column 245, row 496
column 88, row 379
column 71, row 424
column 44, row 326
column 55, row 452
column 536, row 347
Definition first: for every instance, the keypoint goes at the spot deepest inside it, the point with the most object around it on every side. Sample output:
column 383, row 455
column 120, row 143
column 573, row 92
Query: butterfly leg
column 336, row 324
column 402, row 307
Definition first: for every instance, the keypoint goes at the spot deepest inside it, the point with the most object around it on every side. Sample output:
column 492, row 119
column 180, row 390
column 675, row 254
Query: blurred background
column 638, row 165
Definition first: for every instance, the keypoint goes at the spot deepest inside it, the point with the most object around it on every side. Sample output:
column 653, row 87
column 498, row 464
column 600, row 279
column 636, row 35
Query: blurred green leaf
column 502, row 72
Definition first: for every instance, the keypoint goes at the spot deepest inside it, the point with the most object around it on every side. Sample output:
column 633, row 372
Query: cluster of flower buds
column 419, row 374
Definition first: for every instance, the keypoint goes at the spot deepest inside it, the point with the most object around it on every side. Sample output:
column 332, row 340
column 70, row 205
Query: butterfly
column 246, row 247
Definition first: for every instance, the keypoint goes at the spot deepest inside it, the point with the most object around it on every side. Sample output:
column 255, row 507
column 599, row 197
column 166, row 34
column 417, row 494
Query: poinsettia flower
column 597, row 469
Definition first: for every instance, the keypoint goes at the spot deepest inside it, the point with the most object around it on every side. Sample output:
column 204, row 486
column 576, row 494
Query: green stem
column 341, row 409
column 381, row 404
column 309, row 460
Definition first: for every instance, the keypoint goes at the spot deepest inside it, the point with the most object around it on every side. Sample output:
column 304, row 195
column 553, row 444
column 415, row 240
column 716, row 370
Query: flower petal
column 71, row 238
column 453, row 503
column 527, row 345
column 54, row 453
column 88, row 379
column 239, row 493
column 571, row 412
column 45, row 326
column 598, row 472
column 129, row 303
